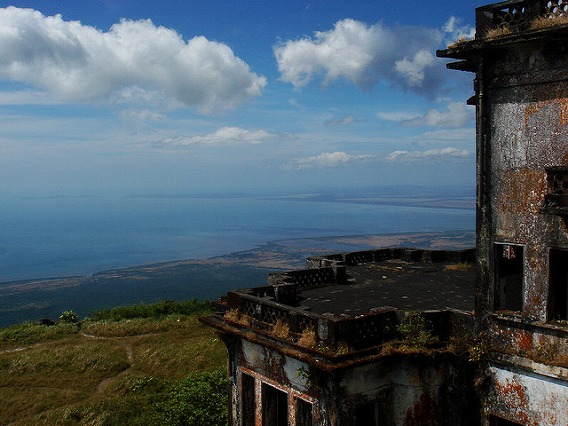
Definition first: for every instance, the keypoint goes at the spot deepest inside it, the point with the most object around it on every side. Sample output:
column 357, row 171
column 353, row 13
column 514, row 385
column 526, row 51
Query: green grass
column 112, row 369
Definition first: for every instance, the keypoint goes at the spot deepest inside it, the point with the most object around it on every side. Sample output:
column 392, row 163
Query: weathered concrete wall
column 528, row 115
column 404, row 390
column 527, row 399
column 541, row 343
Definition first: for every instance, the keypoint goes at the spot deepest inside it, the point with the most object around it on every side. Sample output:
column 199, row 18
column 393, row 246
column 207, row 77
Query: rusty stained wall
column 543, row 345
column 287, row 374
column 526, row 399
column 526, row 88
column 408, row 391
column 528, row 132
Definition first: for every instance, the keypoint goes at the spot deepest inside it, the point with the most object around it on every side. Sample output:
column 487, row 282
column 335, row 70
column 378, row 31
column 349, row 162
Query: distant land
column 194, row 279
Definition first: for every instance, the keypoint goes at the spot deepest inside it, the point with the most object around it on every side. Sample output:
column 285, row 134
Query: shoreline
column 287, row 247
column 204, row 279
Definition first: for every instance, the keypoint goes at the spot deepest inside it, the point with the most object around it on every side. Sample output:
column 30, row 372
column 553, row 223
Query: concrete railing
column 517, row 14
column 333, row 332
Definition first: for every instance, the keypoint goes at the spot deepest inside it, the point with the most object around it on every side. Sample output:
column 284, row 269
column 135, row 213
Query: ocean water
column 53, row 237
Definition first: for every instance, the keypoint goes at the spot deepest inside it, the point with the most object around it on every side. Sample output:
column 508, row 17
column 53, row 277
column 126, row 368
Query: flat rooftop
column 395, row 283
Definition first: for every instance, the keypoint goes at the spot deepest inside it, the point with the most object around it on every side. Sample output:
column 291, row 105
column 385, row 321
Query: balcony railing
column 517, row 14
column 331, row 333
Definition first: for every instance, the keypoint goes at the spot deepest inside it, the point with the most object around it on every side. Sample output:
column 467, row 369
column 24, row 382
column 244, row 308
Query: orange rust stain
column 514, row 195
column 533, row 108
column 524, row 340
column 513, row 395
column 519, row 196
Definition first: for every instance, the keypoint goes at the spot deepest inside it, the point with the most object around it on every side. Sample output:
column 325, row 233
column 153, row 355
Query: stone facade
column 520, row 61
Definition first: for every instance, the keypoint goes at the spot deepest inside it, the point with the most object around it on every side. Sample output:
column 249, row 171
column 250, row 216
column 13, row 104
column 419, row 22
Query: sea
column 54, row 237
column 67, row 236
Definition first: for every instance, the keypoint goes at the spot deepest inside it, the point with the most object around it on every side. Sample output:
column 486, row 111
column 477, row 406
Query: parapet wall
column 275, row 305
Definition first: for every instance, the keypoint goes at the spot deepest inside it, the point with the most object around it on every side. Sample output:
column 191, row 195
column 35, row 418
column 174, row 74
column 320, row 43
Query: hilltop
column 137, row 365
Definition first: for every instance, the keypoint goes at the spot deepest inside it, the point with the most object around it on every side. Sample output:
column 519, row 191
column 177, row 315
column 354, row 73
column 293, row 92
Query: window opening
column 303, row 413
column 498, row 421
column 248, row 400
column 274, row 406
column 366, row 414
column 558, row 295
column 509, row 277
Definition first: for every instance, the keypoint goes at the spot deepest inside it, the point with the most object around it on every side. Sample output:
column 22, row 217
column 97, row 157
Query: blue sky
column 186, row 97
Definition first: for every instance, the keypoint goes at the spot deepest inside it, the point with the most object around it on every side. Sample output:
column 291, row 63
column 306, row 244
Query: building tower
column 520, row 61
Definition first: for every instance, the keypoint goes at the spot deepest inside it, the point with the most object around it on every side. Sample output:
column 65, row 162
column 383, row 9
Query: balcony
column 518, row 15
column 344, row 307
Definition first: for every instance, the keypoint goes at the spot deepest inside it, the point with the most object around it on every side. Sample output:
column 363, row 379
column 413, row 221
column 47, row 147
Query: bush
column 69, row 317
column 416, row 330
column 155, row 310
column 199, row 400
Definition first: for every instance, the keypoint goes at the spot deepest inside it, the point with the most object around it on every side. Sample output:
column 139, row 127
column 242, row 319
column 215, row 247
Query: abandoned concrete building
column 415, row 337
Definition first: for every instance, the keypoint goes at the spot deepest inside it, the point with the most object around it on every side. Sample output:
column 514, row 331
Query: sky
column 224, row 96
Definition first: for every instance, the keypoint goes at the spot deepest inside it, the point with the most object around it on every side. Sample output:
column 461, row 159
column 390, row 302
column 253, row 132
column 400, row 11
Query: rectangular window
column 366, row 414
column 509, row 277
column 558, row 294
column 248, row 400
column 274, row 406
column 303, row 413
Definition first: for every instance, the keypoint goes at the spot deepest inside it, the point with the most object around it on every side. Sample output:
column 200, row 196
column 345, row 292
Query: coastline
column 210, row 278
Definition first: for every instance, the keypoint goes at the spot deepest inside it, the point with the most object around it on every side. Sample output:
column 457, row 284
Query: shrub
column 201, row 399
column 154, row 310
column 416, row 330
column 281, row 329
column 307, row 338
column 69, row 317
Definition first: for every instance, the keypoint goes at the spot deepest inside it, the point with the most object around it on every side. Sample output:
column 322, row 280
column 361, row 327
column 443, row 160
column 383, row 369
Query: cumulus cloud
column 455, row 30
column 363, row 55
column 441, row 153
column 75, row 62
column 456, row 115
column 344, row 121
column 328, row 159
column 223, row 136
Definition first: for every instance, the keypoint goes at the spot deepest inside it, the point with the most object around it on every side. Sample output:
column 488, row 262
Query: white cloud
column 464, row 135
column 397, row 116
column 363, row 55
column 328, row 159
column 456, row 31
column 223, row 136
column 441, row 153
column 457, row 115
column 344, row 121
column 414, row 71
column 75, row 62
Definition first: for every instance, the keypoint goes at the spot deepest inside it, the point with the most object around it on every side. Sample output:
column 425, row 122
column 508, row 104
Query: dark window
column 498, row 421
column 303, row 413
column 274, row 406
column 366, row 414
column 558, row 296
column 509, row 277
column 248, row 400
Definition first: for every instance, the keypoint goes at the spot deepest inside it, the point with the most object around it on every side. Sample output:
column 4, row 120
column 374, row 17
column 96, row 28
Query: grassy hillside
column 135, row 365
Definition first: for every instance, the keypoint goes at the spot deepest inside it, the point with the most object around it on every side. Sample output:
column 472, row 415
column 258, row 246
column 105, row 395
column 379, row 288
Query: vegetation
column 416, row 330
column 136, row 365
